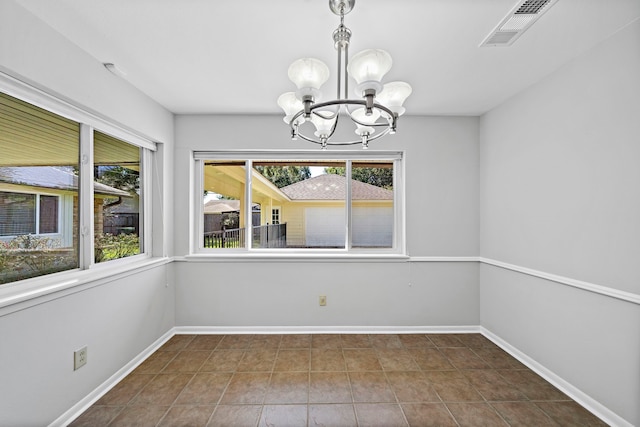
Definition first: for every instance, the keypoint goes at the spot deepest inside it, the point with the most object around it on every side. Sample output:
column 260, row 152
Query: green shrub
column 108, row 246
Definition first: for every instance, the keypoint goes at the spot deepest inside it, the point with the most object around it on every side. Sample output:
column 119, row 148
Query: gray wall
column 559, row 194
column 441, row 216
column 558, row 176
column 117, row 318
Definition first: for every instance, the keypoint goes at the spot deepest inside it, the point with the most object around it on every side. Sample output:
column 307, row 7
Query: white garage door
column 325, row 227
column 372, row 227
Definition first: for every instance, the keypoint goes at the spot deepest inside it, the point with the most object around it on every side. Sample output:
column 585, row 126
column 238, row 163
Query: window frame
column 275, row 215
column 398, row 247
column 37, row 197
column 29, row 288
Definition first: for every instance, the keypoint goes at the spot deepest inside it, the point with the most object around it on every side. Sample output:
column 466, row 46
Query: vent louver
column 521, row 17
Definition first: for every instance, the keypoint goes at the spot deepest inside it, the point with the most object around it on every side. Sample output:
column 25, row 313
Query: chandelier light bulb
column 323, row 126
column 360, row 115
column 393, row 96
column 308, row 73
column 290, row 105
column 368, row 67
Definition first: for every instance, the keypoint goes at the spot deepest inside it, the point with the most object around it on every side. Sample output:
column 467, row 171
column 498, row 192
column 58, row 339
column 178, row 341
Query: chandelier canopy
column 374, row 113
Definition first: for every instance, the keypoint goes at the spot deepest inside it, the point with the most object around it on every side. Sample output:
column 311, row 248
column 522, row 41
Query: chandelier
column 374, row 113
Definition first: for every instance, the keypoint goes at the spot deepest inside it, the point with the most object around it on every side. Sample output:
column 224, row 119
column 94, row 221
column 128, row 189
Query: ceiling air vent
column 521, row 17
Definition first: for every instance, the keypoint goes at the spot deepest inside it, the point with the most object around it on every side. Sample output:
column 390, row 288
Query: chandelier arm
column 391, row 119
column 380, row 135
column 322, row 116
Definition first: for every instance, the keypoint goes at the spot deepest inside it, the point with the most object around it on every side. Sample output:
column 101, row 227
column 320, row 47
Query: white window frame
column 37, row 214
column 277, row 210
column 197, row 207
column 22, row 290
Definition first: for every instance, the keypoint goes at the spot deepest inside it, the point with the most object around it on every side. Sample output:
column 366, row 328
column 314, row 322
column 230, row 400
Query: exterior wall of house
column 98, row 217
column 560, row 197
column 293, row 213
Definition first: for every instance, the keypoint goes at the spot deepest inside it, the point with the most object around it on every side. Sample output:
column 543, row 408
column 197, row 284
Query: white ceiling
column 215, row 56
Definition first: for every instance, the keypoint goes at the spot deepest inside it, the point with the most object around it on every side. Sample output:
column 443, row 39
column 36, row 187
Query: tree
column 118, row 177
column 380, row 177
column 281, row 176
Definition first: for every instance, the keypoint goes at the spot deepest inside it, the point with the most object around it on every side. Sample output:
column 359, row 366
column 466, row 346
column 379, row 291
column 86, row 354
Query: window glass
column 297, row 188
column 275, row 216
column 38, row 191
column 117, row 198
column 17, row 214
column 299, row 204
column 48, row 214
column 372, row 201
column 224, row 205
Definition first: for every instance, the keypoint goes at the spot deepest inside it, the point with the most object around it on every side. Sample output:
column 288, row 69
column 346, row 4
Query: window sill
column 293, row 257
column 14, row 296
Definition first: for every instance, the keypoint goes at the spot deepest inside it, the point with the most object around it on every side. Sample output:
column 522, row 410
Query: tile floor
column 333, row 380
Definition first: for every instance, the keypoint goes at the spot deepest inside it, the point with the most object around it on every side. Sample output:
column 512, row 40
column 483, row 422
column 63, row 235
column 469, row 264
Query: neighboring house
column 43, row 200
column 313, row 209
column 216, row 212
column 122, row 215
column 315, row 215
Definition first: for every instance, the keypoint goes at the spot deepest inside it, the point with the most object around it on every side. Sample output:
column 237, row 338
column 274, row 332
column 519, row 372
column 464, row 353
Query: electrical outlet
column 323, row 300
column 80, row 358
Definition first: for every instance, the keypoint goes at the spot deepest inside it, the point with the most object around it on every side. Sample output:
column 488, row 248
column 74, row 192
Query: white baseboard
column 570, row 390
column 326, row 329
column 576, row 394
column 76, row 410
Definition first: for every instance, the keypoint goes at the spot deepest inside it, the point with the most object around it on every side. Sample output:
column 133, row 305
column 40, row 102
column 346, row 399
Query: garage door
column 372, row 227
column 325, row 227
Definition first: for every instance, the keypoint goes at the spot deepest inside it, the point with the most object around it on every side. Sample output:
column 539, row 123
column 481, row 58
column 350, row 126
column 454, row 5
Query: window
column 49, row 199
column 309, row 202
column 117, row 198
column 22, row 213
column 275, row 216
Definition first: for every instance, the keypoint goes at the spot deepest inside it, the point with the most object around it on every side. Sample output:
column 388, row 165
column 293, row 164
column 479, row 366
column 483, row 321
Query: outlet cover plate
column 79, row 358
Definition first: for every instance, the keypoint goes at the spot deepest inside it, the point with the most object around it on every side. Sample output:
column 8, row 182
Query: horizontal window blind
column 17, row 214
column 112, row 151
column 31, row 136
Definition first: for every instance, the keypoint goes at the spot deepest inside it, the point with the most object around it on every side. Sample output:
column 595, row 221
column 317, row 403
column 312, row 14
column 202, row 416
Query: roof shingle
column 332, row 187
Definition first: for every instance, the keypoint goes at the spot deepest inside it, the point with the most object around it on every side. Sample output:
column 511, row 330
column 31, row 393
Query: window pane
column 48, row 214
column 117, row 198
column 17, row 214
column 372, row 204
column 224, row 204
column 40, row 152
column 301, row 202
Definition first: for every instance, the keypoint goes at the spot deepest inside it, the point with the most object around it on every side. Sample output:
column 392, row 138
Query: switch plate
column 79, row 358
column 323, row 300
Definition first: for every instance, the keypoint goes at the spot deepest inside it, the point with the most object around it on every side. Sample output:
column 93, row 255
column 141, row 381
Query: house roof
column 222, row 206
column 59, row 178
column 332, row 187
